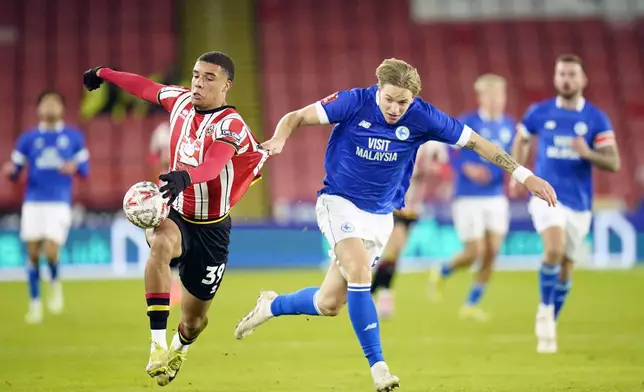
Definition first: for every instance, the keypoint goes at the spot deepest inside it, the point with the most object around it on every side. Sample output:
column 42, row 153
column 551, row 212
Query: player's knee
column 193, row 325
column 566, row 270
column 474, row 250
column 161, row 247
column 554, row 254
column 330, row 305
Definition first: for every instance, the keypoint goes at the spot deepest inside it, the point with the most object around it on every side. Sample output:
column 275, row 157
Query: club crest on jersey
column 330, row 98
column 485, row 133
column 402, row 133
column 210, row 130
column 505, row 135
column 581, row 128
column 39, row 143
column 550, row 125
column 347, row 227
column 62, row 141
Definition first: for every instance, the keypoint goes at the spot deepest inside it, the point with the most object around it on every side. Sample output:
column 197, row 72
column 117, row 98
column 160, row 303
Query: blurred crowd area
column 290, row 53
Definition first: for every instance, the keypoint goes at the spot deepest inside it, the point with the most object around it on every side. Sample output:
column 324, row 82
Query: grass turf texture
column 101, row 341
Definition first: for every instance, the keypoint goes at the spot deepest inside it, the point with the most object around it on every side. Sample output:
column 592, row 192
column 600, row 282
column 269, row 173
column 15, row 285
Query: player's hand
column 477, row 173
column 514, row 188
column 542, row 189
column 9, row 170
column 175, row 182
column 274, row 146
column 68, row 168
column 580, row 146
column 91, row 80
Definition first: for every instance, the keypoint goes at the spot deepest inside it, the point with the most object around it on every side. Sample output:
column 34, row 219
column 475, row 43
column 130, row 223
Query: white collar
column 581, row 102
column 485, row 116
column 60, row 125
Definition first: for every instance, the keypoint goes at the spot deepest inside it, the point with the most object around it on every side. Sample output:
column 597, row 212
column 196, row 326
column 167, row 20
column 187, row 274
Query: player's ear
column 227, row 86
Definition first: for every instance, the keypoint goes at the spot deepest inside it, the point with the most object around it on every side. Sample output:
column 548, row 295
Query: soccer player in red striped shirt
column 214, row 159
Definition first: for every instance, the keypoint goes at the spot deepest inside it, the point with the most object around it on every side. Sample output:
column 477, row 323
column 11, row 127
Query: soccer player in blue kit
column 566, row 127
column 377, row 133
column 480, row 210
column 53, row 153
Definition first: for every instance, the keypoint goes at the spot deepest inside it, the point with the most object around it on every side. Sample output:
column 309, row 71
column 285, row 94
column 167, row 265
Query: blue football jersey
column 367, row 160
column 499, row 132
column 44, row 152
column 556, row 162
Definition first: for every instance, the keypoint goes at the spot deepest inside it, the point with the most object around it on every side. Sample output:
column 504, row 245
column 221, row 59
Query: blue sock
column 476, row 292
column 34, row 282
column 446, row 270
column 364, row 319
column 53, row 270
column 548, row 276
column 299, row 302
column 561, row 292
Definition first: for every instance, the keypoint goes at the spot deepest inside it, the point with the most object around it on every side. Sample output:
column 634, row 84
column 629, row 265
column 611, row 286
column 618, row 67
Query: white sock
column 158, row 337
column 177, row 345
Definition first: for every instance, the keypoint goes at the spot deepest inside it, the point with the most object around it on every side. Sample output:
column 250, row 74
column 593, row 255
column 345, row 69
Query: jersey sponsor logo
column 402, row 132
column 562, row 149
column 330, row 98
column 581, row 128
column 49, row 158
column 364, row 124
column 382, row 152
column 189, row 151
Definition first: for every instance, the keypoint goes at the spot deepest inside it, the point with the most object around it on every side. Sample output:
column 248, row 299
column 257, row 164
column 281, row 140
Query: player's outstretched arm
column 290, row 122
column 134, row 84
column 502, row 159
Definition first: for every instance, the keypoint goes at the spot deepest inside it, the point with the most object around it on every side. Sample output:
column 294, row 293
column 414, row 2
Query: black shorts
column 405, row 218
column 204, row 254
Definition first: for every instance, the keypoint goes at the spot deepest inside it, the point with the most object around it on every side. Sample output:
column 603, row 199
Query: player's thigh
column 34, row 250
column 577, row 228
column 468, row 218
column 31, row 219
column 168, row 237
column 496, row 216
column 57, row 221
column 203, row 265
column 333, row 291
column 550, row 223
column 343, row 225
column 353, row 259
column 492, row 245
column 51, row 249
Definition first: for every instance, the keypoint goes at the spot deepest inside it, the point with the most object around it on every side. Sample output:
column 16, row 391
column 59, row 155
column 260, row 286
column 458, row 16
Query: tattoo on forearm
column 504, row 160
column 470, row 145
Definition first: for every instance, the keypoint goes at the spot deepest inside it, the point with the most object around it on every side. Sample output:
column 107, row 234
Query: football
column 144, row 206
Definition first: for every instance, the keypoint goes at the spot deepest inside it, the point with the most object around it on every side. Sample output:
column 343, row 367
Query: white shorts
column 474, row 215
column 338, row 219
column 576, row 224
column 45, row 221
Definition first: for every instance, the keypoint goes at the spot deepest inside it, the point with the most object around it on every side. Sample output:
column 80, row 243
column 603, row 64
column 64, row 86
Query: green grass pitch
column 101, row 343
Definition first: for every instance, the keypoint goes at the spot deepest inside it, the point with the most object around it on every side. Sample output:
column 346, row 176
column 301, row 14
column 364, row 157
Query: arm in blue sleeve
column 19, row 155
column 81, row 156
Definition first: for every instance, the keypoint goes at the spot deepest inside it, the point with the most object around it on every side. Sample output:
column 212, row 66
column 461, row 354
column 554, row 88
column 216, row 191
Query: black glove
column 175, row 183
column 91, row 80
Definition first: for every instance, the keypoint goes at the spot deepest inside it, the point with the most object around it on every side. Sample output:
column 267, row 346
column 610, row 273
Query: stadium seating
column 322, row 53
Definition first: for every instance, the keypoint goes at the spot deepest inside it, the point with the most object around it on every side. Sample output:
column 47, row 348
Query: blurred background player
column 566, row 127
column 426, row 168
column 159, row 161
column 377, row 135
column 215, row 160
column 480, row 210
column 52, row 153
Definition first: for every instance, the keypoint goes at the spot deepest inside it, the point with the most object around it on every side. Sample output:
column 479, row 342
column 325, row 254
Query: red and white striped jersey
column 192, row 133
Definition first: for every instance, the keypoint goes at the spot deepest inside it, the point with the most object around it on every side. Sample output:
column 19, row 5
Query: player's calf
column 55, row 302
column 34, row 314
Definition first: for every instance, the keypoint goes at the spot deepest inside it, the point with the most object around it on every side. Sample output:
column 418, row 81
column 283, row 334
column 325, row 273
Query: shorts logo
column 347, row 227
column 402, row 133
column 330, row 98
